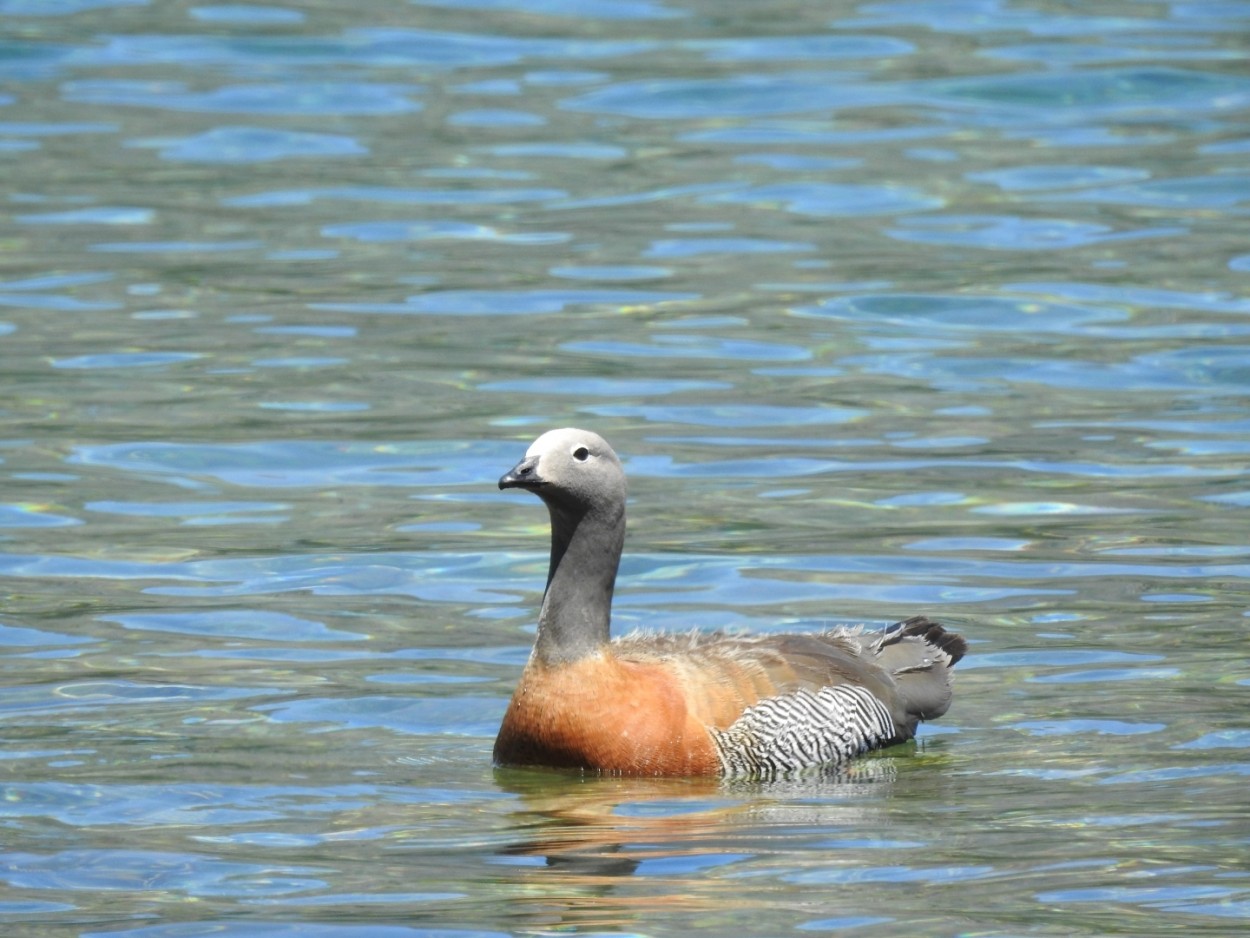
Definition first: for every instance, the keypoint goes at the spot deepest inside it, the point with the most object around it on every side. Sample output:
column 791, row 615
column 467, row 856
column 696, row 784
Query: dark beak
column 524, row 475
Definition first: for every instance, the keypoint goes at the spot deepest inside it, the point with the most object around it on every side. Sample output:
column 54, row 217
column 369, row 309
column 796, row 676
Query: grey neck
column 577, row 607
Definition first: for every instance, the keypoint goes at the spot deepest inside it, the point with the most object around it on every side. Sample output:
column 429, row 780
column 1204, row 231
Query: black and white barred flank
column 803, row 729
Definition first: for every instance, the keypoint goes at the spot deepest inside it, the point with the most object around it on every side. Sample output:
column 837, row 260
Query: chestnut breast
column 605, row 714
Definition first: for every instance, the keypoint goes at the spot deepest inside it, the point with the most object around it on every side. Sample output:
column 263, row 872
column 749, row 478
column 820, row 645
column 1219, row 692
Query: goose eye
column 581, row 454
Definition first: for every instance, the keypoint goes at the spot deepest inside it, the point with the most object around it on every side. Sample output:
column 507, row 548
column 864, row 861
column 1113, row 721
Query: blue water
column 889, row 308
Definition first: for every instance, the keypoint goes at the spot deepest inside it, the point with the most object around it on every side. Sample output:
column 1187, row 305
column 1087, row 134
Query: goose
column 698, row 703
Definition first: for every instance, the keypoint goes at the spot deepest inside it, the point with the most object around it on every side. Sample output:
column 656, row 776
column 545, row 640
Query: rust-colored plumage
column 607, row 714
column 694, row 704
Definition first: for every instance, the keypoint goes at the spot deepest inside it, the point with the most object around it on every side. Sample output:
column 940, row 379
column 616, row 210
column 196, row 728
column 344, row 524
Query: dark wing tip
column 931, row 632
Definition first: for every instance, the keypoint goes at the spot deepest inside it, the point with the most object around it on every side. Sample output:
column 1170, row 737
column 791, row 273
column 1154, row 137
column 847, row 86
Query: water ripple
column 323, row 98
column 829, row 199
column 363, row 47
column 510, row 302
column 732, row 96
column 977, row 313
column 1012, row 233
column 259, row 145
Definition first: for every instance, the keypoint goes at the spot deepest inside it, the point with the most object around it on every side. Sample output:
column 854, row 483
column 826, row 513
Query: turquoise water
column 889, row 307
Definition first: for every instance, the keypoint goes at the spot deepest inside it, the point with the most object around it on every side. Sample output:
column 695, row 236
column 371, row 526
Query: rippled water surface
column 890, row 308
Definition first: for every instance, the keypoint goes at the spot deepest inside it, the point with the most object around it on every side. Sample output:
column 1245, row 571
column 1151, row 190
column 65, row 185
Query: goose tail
column 920, row 655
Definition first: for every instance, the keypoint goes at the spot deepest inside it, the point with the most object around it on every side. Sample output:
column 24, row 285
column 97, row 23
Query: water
column 890, row 308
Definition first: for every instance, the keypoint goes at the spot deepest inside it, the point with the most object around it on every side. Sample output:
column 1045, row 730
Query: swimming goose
column 694, row 703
